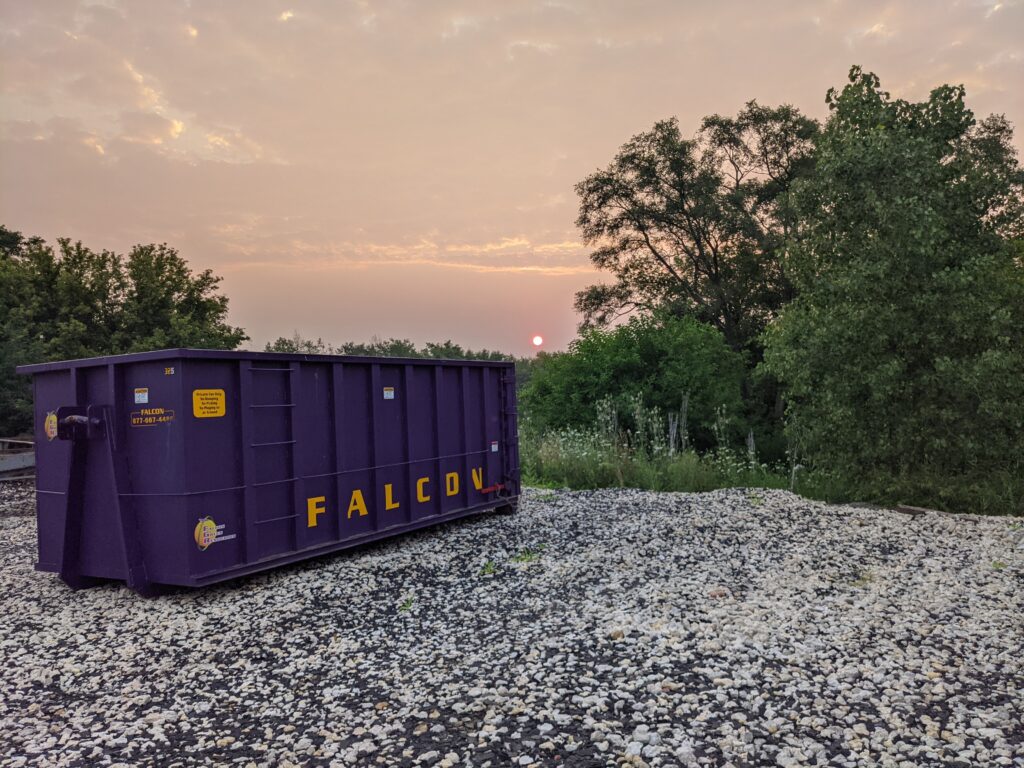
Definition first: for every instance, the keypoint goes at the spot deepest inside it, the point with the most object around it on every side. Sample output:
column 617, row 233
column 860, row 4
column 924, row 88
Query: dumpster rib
column 337, row 380
column 294, row 454
column 248, row 457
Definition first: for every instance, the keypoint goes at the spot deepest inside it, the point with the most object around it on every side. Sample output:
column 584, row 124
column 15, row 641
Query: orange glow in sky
column 407, row 169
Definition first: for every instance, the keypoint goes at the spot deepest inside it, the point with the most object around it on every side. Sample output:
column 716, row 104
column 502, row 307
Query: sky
column 358, row 168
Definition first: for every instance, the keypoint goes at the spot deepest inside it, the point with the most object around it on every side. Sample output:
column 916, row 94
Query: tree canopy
column 903, row 352
column 698, row 226
column 71, row 302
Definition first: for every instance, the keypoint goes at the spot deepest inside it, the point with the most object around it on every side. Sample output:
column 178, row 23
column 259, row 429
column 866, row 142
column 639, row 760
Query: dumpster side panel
column 149, row 420
column 210, row 528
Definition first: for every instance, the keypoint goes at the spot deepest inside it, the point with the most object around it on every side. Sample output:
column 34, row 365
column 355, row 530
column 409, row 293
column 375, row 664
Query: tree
column 660, row 358
column 698, row 226
column 299, row 345
column 74, row 302
column 903, row 353
column 377, row 347
column 165, row 304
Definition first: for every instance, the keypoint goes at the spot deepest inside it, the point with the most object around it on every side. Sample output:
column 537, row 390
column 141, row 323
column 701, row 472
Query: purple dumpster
column 188, row 467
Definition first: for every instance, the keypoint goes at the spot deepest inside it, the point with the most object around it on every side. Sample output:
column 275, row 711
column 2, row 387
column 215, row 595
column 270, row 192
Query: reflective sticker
column 208, row 403
column 389, row 393
column 50, row 425
column 141, row 395
column 494, row 446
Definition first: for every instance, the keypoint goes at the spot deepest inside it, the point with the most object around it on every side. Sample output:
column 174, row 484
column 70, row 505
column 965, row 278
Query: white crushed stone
column 735, row 627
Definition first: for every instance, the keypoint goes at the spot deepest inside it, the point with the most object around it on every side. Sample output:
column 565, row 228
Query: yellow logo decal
column 50, row 425
column 205, row 533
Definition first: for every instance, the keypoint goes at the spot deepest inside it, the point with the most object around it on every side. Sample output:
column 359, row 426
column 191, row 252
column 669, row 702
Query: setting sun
column 538, row 340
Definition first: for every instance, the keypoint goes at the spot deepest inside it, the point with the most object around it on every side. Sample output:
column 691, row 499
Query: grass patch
column 581, row 460
column 527, row 555
column 606, row 457
column 863, row 580
column 489, row 569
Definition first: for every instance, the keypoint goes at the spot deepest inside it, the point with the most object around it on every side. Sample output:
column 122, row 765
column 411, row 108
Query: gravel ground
column 17, row 497
column 742, row 628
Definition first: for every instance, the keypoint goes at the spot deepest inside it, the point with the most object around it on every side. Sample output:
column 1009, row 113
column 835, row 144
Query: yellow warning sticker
column 208, row 403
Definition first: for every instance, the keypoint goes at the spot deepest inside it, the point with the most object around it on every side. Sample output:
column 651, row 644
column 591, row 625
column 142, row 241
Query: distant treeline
column 376, row 347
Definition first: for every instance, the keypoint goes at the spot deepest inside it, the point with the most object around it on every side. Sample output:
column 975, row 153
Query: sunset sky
column 407, row 168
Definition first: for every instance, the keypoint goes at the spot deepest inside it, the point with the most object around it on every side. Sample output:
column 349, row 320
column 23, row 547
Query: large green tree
column 71, row 301
column 698, row 226
column 903, row 353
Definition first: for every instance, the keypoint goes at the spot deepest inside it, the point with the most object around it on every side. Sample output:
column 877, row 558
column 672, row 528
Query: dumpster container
column 188, row 467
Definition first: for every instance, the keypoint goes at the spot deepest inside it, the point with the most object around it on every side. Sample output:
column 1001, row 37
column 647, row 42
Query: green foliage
column 698, row 226
column 661, row 360
column 603, row 455
column 73, row 302
column 299, row 345
column 580, row 459
column 903, row 353
column 527, row 555
column 376, row 347
column 489, row 569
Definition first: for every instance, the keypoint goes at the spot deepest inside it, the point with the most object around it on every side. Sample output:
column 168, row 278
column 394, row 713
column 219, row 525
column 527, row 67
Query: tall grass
column 651, row 454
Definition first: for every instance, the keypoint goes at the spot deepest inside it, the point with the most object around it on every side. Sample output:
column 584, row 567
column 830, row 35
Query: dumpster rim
column 191, row 353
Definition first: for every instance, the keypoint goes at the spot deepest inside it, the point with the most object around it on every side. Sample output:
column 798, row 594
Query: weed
column 489, row 569
column 407, row 604
column 862, row 580
column 527, row 555
column 998, row 565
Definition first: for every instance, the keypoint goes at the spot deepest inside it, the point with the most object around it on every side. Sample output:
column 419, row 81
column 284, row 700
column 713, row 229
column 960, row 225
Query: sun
column 538, row 340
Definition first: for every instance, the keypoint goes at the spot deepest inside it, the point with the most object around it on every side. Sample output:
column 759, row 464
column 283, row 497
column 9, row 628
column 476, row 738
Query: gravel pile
column 742, row 628
column 17, row 498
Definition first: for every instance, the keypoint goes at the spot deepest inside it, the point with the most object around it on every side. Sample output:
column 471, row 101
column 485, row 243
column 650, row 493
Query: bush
column 903, row 354
column 661, row 359
column 605, row 456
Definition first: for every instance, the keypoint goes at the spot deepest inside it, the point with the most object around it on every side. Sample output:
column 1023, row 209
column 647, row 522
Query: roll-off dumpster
column 188, row 467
